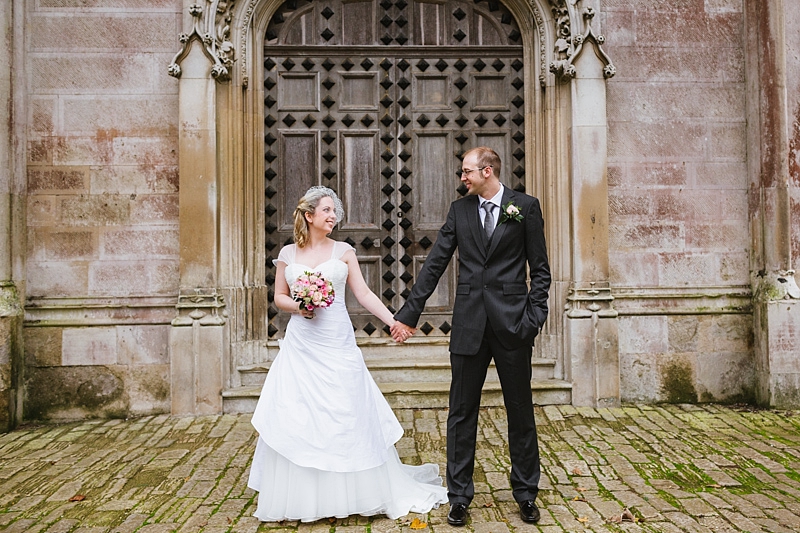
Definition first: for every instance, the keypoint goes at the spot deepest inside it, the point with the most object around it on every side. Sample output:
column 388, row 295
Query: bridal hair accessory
column 318, row 191
column 312, row 290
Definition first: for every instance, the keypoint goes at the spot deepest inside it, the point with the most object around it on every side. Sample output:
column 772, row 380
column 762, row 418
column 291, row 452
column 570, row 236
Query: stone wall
column 678, row 200
column 102, row 263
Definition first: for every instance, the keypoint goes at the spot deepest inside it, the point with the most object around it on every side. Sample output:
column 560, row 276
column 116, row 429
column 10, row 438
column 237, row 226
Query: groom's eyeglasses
column 468, row 170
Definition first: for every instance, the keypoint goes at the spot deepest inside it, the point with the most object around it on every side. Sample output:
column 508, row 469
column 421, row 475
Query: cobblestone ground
column 664, row 468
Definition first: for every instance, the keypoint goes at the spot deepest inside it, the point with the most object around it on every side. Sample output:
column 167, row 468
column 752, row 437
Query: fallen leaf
column 579, row 499
column 577, row 471
column 582, row 519
column 418, row 524
column 627, row 516
column 581, row 489
column 331, row 520
column 77, row 498
column 488, row 504
column 228, row 518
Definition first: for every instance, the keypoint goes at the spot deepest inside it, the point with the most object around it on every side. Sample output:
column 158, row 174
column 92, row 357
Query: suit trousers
column 468, row 377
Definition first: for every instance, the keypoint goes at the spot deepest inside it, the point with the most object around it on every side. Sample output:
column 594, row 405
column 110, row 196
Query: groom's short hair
column 486, row 157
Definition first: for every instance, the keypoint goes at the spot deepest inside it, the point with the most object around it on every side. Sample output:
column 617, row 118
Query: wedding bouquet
column 312, row 290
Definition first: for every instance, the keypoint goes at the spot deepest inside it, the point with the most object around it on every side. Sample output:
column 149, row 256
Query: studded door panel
column 385, row 126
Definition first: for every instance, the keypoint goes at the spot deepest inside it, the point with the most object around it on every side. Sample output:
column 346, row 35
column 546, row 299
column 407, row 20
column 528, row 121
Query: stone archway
column 222, row 306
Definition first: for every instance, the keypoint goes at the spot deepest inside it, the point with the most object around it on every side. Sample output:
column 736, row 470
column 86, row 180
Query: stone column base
column 592, row 333
column 10, row 356
column 777, row 350
column 197, row 346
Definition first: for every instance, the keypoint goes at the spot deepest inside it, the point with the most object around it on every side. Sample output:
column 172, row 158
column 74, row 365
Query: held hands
column 401, row 332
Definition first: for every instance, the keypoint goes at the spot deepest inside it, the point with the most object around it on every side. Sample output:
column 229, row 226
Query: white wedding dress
column 326, row 434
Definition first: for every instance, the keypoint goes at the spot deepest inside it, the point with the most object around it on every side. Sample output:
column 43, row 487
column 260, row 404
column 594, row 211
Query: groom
column 498, row 232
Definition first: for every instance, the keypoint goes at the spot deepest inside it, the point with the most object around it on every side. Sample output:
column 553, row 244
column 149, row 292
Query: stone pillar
column 776, row 296
column 197, row 337
column 591, row 322
column 11, row 219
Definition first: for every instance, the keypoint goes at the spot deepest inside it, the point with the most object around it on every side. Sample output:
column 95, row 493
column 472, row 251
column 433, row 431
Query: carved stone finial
column 568, row 46
column 212, row 28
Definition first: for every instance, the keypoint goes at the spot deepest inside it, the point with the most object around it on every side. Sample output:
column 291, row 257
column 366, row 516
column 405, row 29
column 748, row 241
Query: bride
column 326, row 435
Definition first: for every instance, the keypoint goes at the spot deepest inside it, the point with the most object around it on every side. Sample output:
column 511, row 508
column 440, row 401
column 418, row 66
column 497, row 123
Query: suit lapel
column 475, row 225
column 500, row 229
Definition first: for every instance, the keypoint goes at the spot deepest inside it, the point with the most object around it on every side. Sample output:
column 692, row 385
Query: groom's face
column 472, row 176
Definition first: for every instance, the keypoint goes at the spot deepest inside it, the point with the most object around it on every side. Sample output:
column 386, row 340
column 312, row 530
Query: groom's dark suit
column 495, row 315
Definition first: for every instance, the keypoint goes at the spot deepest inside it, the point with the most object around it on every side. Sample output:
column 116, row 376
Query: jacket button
column 485, row 286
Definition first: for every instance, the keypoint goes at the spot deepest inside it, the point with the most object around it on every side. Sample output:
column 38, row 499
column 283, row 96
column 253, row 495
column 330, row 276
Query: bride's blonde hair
column 308, row 204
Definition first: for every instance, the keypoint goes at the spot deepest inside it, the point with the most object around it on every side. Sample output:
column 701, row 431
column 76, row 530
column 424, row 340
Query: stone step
column 434, row 369
column 419, row 395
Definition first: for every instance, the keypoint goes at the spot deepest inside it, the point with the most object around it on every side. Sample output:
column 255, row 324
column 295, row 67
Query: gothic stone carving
column 568, row 47
column 213, row 31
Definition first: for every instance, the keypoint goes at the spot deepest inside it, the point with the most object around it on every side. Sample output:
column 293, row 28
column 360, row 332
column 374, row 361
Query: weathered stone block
column 728, row 141
column 74, row 392
column 151, row 115
column 95, row 210
column 137, row 180
column 41, row 210
column 143, row 345
column 647, row 101
column 98, row 31
column 42, row 115
column 672, row 139
column 91, row 73
column 89, row 346
column 155, row 242
column 155, row 208
column 639, row 377
column 639, row 237
column 722, row 235
column 164, row 277
column 723, row 175
column 57, row 279
column 147, row 388
column 652, row 64
column 50, row 180
column 42, row 346
column 144, row 151
column 40, row 151
column 725, row 377
column 121, row 278
column 735, row 268
column 726, row 333
column 692, row 27
column 633, row 269
column 682, row 333
column 625, row 205
column 687, row 270
column 65, row 245
column 643, row 334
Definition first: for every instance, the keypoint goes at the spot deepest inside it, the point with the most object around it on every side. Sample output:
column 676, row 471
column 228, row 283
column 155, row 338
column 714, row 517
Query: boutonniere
column 510, row 211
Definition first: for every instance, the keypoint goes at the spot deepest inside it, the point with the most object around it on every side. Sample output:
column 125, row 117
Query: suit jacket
column 492, row 275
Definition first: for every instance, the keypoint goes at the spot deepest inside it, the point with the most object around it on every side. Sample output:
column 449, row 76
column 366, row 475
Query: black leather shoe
column 529, row 512
column 458, row 514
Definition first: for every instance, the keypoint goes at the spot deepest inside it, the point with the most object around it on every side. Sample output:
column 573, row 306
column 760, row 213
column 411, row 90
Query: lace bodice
column 334, row 269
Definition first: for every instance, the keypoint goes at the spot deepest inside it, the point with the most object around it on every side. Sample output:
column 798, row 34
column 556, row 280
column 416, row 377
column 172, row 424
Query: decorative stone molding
column 588, row 301
column 568, row 47
column 213, row 31
column 776, row 285
column 208, row 309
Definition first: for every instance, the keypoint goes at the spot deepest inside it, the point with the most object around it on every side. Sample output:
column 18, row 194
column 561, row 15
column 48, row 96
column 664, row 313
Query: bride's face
column 324, row 217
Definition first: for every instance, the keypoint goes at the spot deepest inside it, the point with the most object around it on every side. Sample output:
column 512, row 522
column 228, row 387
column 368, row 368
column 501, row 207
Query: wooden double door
column 378, row 101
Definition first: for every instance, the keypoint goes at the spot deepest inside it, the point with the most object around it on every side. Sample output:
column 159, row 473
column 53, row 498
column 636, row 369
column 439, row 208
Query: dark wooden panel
column 359, row 184
column 358, row 22
column 299, row 160
column 298, row 91
column 434, row 180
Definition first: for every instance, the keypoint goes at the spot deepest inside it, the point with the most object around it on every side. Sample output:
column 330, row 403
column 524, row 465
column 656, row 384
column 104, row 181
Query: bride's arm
column 282, row 295
column 362, row 292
